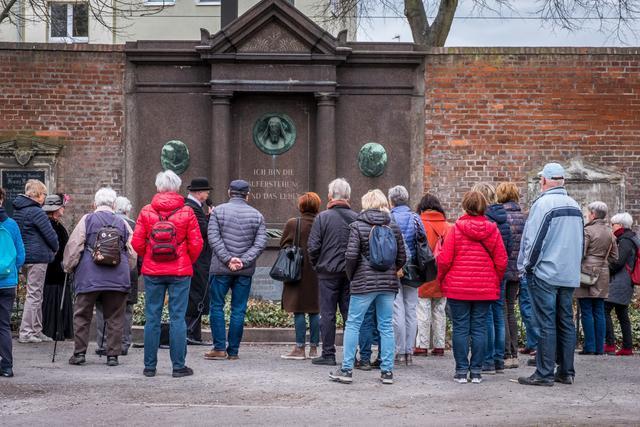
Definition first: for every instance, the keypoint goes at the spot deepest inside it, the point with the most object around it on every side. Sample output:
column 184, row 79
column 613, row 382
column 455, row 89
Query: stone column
column 221, row 153
column 325, row 147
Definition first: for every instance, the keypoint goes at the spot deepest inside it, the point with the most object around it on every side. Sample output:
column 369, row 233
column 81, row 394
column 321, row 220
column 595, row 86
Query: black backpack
column 106, row 249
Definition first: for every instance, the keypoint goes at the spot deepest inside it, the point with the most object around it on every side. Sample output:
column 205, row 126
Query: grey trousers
column 405, row 321
column 31, row 324
column 126, row 332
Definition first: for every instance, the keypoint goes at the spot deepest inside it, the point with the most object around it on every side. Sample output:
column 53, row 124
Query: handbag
column 590, row 278
column 288, row 265
column 421, row 267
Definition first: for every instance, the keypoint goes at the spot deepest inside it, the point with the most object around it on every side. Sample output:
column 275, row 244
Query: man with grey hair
column 122, row 209
column 550, row 257
column 326, row 246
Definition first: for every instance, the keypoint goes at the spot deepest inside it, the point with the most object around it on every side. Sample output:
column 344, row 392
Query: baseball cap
column 239, row 186
column 552, row 171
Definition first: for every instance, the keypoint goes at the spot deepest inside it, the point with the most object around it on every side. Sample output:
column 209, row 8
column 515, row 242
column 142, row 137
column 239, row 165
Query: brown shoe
column 233, row 357
column 215, row 355
column 297, row 353
column 313, row 351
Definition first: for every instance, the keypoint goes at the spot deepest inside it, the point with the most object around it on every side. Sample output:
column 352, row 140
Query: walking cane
column 55, row 342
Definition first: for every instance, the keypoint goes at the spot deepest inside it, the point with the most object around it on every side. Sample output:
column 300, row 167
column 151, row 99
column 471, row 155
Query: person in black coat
column 199, row 290
column 41, row 245
column 57, row 322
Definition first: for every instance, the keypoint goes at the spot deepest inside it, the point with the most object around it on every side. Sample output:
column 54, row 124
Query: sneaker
column 563, row 379
column 233, row 357
column 420, row 351
column 31, row 339
column 460, row 378
column 215, row 355
column 476, row 378
column 376, row 364
column 386, row 377
column 112, row 361
column 533, row 380
column 489, row 370
column 182, row 372
column 341, row 376
column 437, row 352
column 324, row 360
column 610, row 349
column 101, row 352
column 149, row 372
column 297, row 353
column 624, row 352
column 6, row 372
column 44, row 338
column 77, row 359
column 313, row 351
column 513, row 363
column 400, row 359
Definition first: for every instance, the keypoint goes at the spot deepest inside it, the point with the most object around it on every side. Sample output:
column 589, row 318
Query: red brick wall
column 499, row 114
column 73, row 95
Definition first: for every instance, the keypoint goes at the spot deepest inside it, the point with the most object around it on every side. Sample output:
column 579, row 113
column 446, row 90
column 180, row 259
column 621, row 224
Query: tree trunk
column 5, row 12
column 434, row 35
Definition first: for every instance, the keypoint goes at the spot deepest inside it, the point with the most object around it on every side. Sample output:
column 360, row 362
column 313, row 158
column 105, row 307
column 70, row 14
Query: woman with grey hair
column 620, row 287
column 600, row 249
column 405, row 322
column 94, row 280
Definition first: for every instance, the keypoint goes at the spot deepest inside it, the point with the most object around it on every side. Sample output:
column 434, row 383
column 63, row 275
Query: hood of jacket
column 23, row 201
column 512, row 207
column 3, row 215
column 496, row 213
column 164, row 203
column 475, row 227
column 374, row 217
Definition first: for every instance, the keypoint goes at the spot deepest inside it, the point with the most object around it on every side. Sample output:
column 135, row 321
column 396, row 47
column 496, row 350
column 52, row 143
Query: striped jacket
column 551, row 245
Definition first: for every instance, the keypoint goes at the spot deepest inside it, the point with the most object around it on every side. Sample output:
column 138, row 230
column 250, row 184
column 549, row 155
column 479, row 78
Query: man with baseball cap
column 237, row 235
column 550, row 257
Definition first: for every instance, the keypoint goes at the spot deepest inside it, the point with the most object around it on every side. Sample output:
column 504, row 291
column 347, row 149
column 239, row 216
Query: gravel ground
column 262, row 389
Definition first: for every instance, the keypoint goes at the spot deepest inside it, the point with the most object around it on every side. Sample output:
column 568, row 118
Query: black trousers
column 511, row 325
column 7, row 296
column 622, row 313
column 334, row 294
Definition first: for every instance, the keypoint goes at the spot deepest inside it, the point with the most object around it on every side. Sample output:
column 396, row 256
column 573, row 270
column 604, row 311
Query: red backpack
column 163, row 239
column 635, row 271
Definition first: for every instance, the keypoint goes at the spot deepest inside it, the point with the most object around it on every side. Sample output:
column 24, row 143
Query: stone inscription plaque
column 13, row 182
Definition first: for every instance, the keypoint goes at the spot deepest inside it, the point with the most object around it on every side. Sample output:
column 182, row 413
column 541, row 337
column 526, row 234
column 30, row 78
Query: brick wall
column 499, row 114
column 72, row 95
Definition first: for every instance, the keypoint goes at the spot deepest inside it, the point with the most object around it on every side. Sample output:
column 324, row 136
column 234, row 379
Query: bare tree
column 430, row 22
column 105, row 12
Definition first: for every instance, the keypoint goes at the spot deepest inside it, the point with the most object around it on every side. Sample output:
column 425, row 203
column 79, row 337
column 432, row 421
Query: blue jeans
column 240, row 287
column 358, row 307
column 593, row 324
column 155, row 288
column 553, row 310
column 494, row 350
column 301, row 329
column 368, row 334
column 469, row 327
column 526, row 313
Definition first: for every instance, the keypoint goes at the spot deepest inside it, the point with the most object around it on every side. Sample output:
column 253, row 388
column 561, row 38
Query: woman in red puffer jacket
column 470, row 268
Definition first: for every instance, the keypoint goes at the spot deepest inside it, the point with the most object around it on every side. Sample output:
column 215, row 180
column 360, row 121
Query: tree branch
column 6, row 9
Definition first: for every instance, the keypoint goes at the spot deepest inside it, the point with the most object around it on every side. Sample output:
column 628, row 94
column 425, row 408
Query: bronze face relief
column 175, row 156
column 372, row 159
column 274, row 133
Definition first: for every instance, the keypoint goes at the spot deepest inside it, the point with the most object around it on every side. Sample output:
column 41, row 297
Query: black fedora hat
column 199, row 184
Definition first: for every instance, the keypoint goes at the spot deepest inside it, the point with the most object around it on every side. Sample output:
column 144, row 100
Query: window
column 208, row 2
column 163, row 3
column 69, row 22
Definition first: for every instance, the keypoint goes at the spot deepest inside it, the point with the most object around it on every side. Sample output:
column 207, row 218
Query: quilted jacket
column 188, row 235
column 473, row 260
column 40, row 240
column 516, row 219
column 364, row 278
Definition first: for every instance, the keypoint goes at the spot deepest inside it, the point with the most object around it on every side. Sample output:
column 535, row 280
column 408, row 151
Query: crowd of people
column 356, row 263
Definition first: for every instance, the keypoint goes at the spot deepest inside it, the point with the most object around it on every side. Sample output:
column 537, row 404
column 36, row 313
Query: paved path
column 260, row 388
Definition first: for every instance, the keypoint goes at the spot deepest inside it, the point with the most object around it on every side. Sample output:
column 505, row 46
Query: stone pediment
column 270, row 27
column 24, row 150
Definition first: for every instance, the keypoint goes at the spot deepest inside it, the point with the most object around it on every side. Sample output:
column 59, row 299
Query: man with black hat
column 198, row 292
column 237, row 235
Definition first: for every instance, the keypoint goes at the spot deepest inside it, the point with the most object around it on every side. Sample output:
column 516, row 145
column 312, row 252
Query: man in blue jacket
column 9, row 236
column 550, row 256
column 41, row 245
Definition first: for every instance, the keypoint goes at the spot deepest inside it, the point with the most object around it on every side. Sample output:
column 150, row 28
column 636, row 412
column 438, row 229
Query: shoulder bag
column 589, row 276
column 421, row 268
column 288, row 265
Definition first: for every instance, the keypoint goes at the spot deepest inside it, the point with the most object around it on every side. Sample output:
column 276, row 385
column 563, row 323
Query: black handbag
column 288, row 265
column 421, row 268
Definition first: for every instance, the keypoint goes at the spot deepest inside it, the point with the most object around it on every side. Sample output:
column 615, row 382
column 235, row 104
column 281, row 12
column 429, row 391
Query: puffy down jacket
column 473, row 260
column 188, row 236
column 40, row 240
column 364, row 278
column 516, row 219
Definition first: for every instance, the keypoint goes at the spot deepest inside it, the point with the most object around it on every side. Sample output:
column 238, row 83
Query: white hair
column 105, row 196
column 398, row 195
column 168, row 181
column 598, row 209
column 123, row 205
column 624, row 219
column 339, row 189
